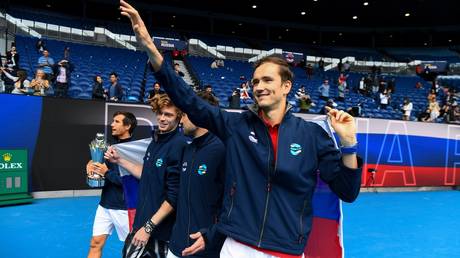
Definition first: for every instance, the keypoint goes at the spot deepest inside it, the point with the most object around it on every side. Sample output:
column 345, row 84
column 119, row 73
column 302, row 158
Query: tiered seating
column 368, row 54
column 90, row 61
column 427, row 54
column 225, row 79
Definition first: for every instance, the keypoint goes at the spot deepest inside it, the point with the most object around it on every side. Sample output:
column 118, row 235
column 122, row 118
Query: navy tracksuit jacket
column 159, row 181
column 267, row 203
column 200, row 196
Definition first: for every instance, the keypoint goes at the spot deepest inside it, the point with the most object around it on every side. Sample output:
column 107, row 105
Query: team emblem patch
column 202, row 169
column 296, row 149
column 159, row 162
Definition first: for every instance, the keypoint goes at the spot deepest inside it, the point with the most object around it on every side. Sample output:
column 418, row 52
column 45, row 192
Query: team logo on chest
column 296, row 149
column 202, row 169
column 252, row 137
column 159, row 162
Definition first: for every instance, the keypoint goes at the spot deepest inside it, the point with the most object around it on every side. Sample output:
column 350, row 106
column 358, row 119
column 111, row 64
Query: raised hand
column 344, row 125
column 139, row 28
column 142, row 35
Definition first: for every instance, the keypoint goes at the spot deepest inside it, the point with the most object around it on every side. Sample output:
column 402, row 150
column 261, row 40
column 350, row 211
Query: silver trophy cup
column 97, row 148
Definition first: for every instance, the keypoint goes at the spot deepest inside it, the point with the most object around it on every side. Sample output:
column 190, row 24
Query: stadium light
column 303, row 13
column 407, row 14
column 366, row 3
column 254, row 6
column 355, row 17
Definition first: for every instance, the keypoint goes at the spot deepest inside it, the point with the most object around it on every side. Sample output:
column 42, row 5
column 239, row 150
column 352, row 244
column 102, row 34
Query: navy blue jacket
column 200, row 195
column 267, row 201
column 159, row 181
column 112, row 196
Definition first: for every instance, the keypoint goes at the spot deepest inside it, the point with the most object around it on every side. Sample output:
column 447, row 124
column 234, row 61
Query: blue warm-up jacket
column 267, row 200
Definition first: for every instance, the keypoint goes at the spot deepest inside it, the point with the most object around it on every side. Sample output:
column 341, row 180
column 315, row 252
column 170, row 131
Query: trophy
column 97, row 148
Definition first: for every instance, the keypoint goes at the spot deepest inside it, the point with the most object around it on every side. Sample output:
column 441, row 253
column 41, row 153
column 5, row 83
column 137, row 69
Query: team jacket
column 112, row 196
column 200, row 195
column 267, row 204
column 159, row 181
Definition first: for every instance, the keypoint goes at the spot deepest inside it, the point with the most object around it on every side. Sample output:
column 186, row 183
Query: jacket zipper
column 269, row 186
column 188, row 197
column 232, row 193
column 268, row 174
column 301, row 220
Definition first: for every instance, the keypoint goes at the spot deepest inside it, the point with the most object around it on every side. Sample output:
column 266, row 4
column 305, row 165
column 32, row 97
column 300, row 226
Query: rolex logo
column 7, row 157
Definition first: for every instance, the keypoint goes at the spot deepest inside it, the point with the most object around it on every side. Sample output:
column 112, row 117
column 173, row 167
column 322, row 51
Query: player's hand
column 100, row 168
column 199, row 245
column 112, row 155
column 139, row 28
column 141, row 237
column 344, row 125
column 90, row 168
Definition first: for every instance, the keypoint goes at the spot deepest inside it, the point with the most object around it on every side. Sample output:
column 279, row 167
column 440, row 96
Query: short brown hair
column 162, row 100
column 208, row 97
column 284, row 71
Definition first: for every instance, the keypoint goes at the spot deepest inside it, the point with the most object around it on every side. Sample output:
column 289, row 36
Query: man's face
column 189, row 127
column 268, row 88
column 176, row 67
column 113, row 78
column 167, row 119
column 118, row 129
column 156, row 87
column 208, row 89
column 46, row 53
column 13, row 48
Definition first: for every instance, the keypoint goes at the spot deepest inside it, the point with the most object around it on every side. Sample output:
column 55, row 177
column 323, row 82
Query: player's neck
column 274, row 115
column 199, row 132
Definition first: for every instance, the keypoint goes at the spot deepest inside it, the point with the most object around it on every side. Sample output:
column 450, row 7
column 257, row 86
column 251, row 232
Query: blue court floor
column 396, row 225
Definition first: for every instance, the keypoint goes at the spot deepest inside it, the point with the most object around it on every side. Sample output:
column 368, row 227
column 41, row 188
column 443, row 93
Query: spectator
column 309, row 71
column 384, row 99
column 214, row 64
column 424, row 116
column 419, row 85
column 343, row 79
column 98, row 89
column 46, row 63
column 391, row 86
column 304, row 100
column 21, row 84
column 67, row 53
column 434, row 110
column 208, row 88
column 432, row 95
column 407, row 109
column 156, row 90
column 177, row 70
column 340, row 66
column 40, row 46
column 321, row 65
column 12, row 59
column 355, row 111
column 362, row 87
column 324, row 90
column 341, row 88
column 330, row 103
column 62, row 72
column 115, row 90
column 234, row 99
column 346, row 67
column 41, row 84
column 244, row 91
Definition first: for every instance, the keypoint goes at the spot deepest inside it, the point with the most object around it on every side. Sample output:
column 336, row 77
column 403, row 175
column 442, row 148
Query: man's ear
column 286, row 87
